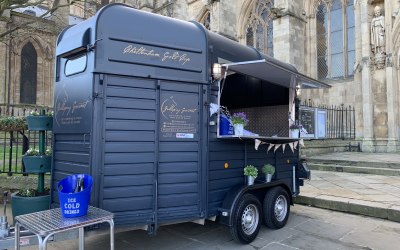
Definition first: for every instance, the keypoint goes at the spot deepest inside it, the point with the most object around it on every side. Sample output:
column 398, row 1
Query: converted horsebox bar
column 133, row 98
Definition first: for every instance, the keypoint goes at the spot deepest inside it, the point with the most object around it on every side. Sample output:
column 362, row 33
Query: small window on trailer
column 75, row 65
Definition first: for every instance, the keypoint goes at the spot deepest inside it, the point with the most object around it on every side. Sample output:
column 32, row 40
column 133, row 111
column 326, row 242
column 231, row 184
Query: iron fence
column 13, row 144
column 328, row 122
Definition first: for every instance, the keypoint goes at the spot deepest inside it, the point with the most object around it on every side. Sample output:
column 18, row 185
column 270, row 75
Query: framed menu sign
column 179, row 113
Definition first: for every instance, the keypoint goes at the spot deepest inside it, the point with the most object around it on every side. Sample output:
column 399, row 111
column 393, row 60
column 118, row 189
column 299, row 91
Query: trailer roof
column 267, row 70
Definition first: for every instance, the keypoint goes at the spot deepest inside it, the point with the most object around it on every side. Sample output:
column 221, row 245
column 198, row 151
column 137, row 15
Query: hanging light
column 217, row 71
column 298, row 89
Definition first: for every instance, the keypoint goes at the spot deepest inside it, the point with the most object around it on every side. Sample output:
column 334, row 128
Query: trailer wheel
column 276, row 208
column 246, row 219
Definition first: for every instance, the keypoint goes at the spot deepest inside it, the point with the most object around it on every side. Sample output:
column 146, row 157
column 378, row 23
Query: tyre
column 246, row 219
column 276, row 208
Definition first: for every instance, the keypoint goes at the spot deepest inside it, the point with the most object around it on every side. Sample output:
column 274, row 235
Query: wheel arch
column 234, row 194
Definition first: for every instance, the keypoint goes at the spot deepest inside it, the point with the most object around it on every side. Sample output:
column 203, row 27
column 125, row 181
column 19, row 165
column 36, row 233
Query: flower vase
column 238, row 129
column 250, row 180
column 268, row 177
column 294, row 133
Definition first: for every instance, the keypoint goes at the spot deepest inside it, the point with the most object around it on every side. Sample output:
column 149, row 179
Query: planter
column 294, row 133
column 238, row 129
column 37, row 164
column 25, row 205
column 268, row 177
column 250, row 180
column 39, row 122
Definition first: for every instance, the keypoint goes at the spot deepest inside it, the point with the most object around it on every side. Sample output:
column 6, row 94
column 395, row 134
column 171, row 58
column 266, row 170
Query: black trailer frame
column 132, row 97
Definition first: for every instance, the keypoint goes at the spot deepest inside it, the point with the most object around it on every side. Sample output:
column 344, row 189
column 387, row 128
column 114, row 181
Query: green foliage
column 12, row 123
column 30, row 192
column 35, row 152
column 250, row 170
column 48, row 152
column 268, row 169
column 32, row 152
column 37, row 113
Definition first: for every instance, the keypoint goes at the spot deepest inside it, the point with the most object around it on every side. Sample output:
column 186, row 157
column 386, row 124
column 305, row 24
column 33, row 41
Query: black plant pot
column 37, row 164
column 25, row 205
column 39, row 122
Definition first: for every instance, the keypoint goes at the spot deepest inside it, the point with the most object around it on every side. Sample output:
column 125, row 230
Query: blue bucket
column 74, row 204
column 225, row 125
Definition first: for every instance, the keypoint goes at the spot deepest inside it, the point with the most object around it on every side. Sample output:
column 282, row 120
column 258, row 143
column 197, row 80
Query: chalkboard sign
column 307, row 120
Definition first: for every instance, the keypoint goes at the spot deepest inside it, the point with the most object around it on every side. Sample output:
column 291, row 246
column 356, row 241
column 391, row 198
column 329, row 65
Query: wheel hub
column 250, row 218
column 280, row 209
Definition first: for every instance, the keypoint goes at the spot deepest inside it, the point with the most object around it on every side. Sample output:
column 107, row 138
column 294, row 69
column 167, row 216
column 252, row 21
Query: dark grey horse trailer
column 133, row 98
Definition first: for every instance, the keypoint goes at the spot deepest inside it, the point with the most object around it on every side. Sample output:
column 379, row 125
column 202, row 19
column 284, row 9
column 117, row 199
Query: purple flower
column 240, row 118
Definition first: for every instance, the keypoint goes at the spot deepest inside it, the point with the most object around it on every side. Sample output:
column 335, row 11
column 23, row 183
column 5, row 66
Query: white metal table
column 49, row 222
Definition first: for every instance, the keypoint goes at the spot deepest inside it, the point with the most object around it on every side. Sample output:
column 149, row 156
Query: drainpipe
column 10, row 48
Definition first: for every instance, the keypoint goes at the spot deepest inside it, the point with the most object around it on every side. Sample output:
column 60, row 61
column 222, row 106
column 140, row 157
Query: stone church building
column 354, row 45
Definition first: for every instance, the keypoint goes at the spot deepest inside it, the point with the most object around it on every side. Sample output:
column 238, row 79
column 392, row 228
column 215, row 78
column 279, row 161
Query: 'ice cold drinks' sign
column 71, row 207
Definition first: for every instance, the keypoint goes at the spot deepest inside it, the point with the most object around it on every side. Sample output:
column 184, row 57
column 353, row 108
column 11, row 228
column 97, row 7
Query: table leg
column 81, row 238
column 42, row 244
column 111, row 222
column 44, row 241
column 16, row 247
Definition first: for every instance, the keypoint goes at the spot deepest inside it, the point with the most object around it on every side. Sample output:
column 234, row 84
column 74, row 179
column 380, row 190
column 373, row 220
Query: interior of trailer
column 265, row 104
column 265, row 90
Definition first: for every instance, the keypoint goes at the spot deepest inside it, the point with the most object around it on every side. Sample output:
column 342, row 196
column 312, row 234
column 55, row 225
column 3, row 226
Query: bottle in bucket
column 74, row 194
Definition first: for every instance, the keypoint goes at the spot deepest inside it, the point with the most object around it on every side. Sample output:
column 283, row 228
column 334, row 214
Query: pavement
column 365, row 194
column 308, row 228
column 353, row 193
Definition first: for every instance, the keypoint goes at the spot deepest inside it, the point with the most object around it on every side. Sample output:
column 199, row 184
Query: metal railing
column 13, row 144
column 335, row 122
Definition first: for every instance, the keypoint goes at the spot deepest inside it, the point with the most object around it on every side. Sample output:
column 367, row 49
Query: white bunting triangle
column 258, row 143
column 291, row 146
column 295, row 144
column 276, row 147
column 283, row 148
column 302, row 143
column 270, row 146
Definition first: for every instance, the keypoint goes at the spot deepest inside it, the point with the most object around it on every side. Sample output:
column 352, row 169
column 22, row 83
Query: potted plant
column 251, row 172
column 294, row 130
column 39, row 162
column 239, row 121
column 40, row 121
column 269, row 171
column 12, row 123
column 36, row 163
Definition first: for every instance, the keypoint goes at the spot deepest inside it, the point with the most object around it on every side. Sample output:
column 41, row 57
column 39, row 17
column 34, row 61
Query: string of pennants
column 293, row 145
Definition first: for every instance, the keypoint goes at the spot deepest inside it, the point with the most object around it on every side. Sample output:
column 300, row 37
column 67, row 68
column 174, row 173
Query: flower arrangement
column 37, row 113
column 239, row 118
column 250, row 170
column 35, row 152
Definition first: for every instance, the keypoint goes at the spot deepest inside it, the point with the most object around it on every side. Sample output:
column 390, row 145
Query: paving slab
column 371, row 195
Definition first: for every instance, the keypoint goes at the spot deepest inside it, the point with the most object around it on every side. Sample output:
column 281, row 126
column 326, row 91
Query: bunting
column 269, row 147
column 292, row 145
column 258, row 143
column 277, row 146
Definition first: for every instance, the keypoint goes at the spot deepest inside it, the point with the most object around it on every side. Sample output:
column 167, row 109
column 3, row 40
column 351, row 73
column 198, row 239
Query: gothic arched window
column 206, row 19
column 259, row 27
column 335, row 39
column 28, row 74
